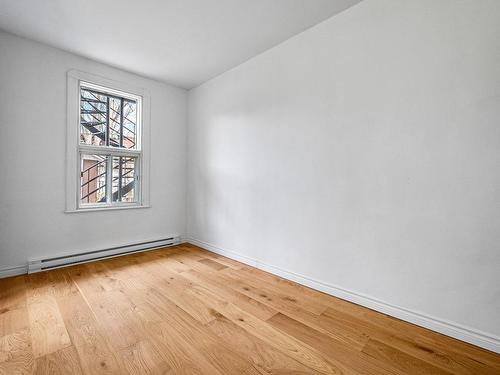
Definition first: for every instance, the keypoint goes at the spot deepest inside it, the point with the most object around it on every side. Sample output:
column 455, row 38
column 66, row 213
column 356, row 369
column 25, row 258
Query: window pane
column 114, row 121
column 124, row 179
column 107, row 120
column 129, row 123
column 93, row 179
column 93, row 117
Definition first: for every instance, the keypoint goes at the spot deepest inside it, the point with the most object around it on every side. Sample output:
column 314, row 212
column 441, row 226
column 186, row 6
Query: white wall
column 32, row 159
column 363, row 153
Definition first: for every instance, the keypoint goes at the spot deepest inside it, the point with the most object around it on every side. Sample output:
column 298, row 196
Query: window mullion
column 121, row 122
column 137, row 177
column 120, row 171
column 107, row 122
column 115, row 151
column 109, row 180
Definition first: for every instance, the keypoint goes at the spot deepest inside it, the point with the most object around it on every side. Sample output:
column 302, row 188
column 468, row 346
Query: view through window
column 109, row 146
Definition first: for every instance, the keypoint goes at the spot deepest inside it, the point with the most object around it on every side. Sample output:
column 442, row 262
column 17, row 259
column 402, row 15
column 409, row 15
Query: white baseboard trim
column 460, row 332
column 14, row 271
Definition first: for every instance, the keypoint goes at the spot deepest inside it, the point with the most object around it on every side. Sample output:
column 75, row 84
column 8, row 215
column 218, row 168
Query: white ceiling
column 182, row 42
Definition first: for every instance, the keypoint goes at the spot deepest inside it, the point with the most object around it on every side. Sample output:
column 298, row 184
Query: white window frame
column 74, row 148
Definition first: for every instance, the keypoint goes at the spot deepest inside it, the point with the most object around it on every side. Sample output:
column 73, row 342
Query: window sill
column 109, row 208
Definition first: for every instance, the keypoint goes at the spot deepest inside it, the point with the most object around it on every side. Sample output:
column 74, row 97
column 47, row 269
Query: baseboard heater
column 57, row 261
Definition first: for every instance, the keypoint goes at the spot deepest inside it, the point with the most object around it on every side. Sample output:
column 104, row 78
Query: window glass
column 107, row 120
column 93, row 179
column 124, row 179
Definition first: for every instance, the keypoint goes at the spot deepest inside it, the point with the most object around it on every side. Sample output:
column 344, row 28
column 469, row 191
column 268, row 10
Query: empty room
column 250, row 187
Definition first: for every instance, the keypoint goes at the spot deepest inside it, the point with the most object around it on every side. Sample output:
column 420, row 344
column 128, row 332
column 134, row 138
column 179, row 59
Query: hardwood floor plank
column 159, row 310
column 475, row 360
column 182, row 357
column 246, row 303
column 270, row 296
column 403, row 361
column 350, row 324
column 221, row 259
column 213, row 264
column 203, row 275
column 295, row 311
column 195, row 334
column 95, row 355
column 143, row 358
column 255, row 370
column 56, row 283
column 48, row 330
column 350, row 357
column 16, row 356
column 287, row 285
column 13, row 320
column 179, row 354
column 84, row 280
column 62, row 362
column 111, row 318
column 288, row 295
column 266, row 358
column 174, row 288
column 12, row 293
column 267, row 333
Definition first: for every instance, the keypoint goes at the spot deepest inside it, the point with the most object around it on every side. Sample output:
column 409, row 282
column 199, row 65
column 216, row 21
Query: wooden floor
column 183, row 310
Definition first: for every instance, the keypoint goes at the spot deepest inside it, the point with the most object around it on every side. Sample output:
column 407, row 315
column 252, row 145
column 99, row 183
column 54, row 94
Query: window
column 111, row 161
column 109, row 146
